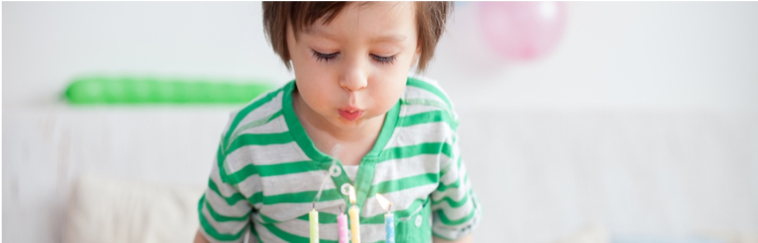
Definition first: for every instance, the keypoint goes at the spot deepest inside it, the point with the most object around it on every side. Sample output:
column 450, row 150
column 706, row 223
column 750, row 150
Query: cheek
column 314, row 93
column 389, row 93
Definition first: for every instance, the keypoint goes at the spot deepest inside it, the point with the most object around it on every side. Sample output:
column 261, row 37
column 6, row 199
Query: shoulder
column 262, row 106
column 254, row 115
column 425, row 101
column 257, row 124
column 257, row 112
column 427, row 89
column 252, row 130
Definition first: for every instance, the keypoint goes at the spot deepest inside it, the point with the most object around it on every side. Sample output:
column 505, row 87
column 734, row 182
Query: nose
column 354, row 77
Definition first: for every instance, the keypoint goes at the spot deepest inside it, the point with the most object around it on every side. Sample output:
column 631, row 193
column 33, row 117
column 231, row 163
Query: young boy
column 397, row 135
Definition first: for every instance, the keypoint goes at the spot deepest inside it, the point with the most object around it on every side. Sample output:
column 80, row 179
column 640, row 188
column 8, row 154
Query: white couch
column 135, row 174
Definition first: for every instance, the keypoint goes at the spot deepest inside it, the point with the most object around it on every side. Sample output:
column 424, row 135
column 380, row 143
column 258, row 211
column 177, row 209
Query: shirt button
column 345, row 189
column 418, row 221
column 335, row 171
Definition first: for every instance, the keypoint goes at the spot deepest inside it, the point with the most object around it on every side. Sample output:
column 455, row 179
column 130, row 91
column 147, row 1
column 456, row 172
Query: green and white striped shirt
column 267, row 173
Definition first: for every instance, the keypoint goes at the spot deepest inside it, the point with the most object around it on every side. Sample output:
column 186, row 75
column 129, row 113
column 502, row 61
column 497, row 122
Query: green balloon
column 131, row 90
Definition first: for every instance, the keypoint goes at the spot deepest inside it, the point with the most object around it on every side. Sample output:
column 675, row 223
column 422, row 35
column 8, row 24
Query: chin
column 342, row 123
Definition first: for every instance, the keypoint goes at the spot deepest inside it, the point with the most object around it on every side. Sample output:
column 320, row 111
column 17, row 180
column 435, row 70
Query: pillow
column 103, row 209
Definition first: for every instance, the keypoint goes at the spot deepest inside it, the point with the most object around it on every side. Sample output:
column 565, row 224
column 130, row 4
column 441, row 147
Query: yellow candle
column 355, row 226
column 313, row 219
column 354, row 212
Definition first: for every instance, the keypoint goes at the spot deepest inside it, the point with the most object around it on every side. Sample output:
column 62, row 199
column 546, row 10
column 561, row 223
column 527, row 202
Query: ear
column 416, row 56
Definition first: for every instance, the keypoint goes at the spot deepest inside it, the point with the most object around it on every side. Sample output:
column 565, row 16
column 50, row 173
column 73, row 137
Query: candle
column 389, row 218
column 355, row 225
column 342, row 227
column 313, row 219
column 389, row 226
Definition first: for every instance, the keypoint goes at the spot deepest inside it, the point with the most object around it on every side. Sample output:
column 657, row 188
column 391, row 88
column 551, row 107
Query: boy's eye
column 384, row 60
column 325, row 57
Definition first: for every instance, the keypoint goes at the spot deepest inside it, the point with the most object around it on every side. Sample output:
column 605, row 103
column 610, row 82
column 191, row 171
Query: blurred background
column 580, row 121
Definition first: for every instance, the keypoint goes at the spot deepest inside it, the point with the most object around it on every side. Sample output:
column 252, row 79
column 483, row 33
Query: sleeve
column 456, row 209
column 224, row 212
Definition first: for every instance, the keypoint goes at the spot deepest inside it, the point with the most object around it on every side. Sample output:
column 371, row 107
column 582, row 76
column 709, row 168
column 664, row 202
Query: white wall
column 613, row 55
column 643, row 119
column 619, row 55
column 47, row 44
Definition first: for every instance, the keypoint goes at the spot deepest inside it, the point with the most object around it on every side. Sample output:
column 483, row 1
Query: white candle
column 313, row 218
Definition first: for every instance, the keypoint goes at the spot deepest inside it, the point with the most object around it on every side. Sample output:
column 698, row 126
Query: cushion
column 104, row 209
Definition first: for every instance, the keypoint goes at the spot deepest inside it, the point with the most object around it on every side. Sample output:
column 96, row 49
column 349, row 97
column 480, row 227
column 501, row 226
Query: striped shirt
column 267, row 173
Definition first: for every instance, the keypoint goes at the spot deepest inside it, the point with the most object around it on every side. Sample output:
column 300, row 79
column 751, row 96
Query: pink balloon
column 522, row 30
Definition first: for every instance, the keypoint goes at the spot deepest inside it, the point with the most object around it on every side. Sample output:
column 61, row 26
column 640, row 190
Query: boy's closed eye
column 322, row 57
column 327, row 57
column 384, row 60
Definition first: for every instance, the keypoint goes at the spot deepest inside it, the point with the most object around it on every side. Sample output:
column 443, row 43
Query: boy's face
column 353, row 70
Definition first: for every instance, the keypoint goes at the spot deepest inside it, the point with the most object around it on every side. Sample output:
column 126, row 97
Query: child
column 397, row 135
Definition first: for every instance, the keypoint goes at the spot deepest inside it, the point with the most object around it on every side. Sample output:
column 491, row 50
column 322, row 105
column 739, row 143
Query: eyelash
column 325, row 57
column 331, row 56
column 384, row 60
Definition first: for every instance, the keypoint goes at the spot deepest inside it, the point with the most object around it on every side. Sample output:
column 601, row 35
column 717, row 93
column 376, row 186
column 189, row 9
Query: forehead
column 381, row 10
column 366, row 17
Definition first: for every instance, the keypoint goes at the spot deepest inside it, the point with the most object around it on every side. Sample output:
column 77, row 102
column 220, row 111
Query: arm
column 223, row 210
column 466, row 239
column 199, row 238
column 455, row 207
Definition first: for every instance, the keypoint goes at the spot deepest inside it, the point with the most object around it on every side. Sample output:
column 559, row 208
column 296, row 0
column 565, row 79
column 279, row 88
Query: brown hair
column 430, row 21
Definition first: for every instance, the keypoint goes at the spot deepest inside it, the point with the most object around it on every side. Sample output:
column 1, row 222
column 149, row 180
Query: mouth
column 350, row 114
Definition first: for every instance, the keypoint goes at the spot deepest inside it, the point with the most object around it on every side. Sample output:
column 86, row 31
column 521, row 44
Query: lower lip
column 350, row 116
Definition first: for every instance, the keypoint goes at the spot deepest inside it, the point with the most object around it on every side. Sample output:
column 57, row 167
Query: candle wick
column 314, row 205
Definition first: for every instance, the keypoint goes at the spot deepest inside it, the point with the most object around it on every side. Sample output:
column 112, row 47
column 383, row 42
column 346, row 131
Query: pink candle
column 342, row 227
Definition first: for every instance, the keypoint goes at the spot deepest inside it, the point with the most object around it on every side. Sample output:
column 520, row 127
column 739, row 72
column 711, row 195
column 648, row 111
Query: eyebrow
column 384, row 38
column 389, row 38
